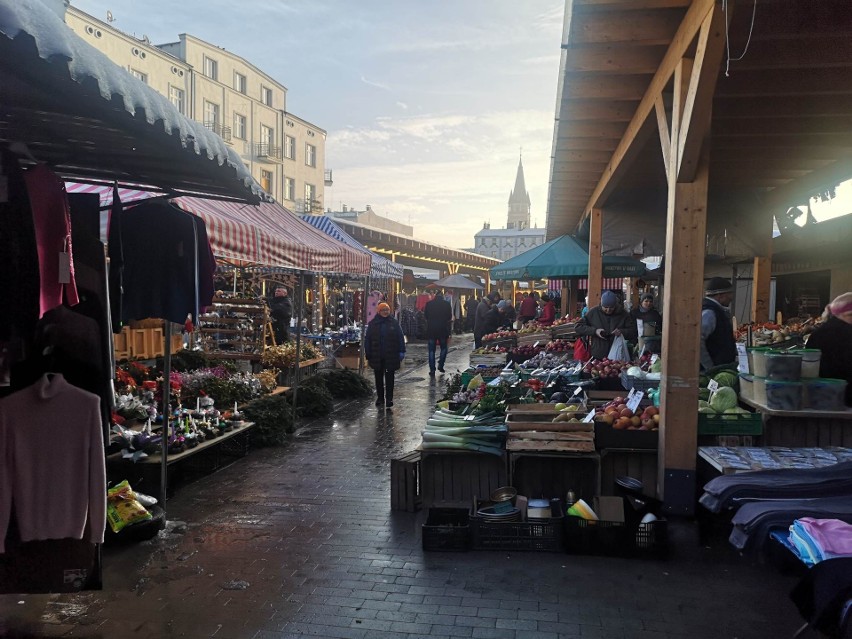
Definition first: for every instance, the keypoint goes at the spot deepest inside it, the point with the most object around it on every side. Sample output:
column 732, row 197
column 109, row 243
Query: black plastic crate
column 447, row 529
column 616, row 538
column 538, row 534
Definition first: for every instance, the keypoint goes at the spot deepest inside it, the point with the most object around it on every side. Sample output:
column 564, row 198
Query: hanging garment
column 168, row 264
column 52, row 219
column 53, row 469
column 373, row 304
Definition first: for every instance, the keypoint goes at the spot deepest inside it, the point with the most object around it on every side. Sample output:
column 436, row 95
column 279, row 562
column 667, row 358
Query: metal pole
column 167, row 391
column 299, row 312
column 361, row 350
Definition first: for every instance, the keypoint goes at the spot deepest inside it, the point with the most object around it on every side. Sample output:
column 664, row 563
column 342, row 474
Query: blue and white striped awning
column 380, row 267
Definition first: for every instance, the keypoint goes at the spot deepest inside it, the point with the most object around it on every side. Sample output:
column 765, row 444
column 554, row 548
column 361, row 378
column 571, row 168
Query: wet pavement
column 300, row 541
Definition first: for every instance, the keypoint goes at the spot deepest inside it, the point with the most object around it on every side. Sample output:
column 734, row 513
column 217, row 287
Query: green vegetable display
column 726, row 379
column 723, row 399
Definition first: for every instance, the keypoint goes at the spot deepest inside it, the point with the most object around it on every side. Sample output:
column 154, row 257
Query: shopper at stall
column 384, row 347
column 479, row 322
column 470, row 312
column 439, row 321
column 834, row 339
column 646, row 312
column 602, row 324
column 281, row 312
column 548, row 311
column 495, row 317
column 718, row 345
column 528, row 309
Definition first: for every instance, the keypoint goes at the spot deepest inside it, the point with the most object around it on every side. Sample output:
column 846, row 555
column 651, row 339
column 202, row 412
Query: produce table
column 804, row 427
column 729, row 460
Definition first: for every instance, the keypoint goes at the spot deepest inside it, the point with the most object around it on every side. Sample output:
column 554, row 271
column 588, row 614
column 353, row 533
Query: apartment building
column 230, row 96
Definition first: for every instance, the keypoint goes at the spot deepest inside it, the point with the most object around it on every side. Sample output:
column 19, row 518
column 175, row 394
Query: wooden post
column 564, row 304
column 572, row 297
column 762, row 285
column 593, row 298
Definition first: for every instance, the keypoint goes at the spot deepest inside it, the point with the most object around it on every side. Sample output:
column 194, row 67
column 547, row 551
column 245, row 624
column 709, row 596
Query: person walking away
column 384, row 347
column 281, row 312
column 646, row 312
column 718, row 345
column 834, row 339
column 548, row 311
column 470, row 312
column 439, row 320
column 479, row 322
column 528, row 309
column 602, row 324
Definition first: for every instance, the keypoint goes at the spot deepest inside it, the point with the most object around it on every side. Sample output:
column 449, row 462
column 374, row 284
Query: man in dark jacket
column 602, row 324
column 281, row 312
column 439, row 320
column 384, row 347
column 479, row 322
column 718, row 345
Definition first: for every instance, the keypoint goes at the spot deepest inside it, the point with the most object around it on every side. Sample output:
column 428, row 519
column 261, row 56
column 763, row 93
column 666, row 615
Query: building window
column 493, row 253
column 211, row 68
column 267, row 135
column 310, row 154
column 266, row 181
column 240, row 82
column 211, row 115
column 139, row 75
column 239, row 126
column 177, row 97
column 266, row 96
column 289, row 147
column 310, row 197
column 289, row 188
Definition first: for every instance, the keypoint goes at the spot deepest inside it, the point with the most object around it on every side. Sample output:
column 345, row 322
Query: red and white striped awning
column 614, row 283
column 270, row 235
column 105, row 193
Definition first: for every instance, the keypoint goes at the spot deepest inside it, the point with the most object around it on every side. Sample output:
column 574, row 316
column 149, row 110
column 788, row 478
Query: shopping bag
column 619, row 351
column 581, row 350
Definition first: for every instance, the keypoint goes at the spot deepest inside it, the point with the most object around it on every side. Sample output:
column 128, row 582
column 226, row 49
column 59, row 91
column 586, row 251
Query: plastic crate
column 615, row 538
column 644, row 385
column 540, row 534
column 736, row 424
column 447, row 529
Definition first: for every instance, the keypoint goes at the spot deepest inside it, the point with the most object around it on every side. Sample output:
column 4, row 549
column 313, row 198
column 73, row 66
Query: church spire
column 519, row 201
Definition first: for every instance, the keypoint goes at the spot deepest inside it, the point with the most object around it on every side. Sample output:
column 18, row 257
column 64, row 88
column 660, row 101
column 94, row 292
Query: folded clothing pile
column 816, row 540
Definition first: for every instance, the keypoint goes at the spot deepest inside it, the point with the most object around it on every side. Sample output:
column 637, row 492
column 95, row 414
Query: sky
column 428, row 105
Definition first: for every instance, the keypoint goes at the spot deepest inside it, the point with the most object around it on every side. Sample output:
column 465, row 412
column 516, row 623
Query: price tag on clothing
column 633, row 402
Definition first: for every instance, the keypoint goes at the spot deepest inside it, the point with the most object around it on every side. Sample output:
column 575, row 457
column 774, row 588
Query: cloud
column 402, row 105
column 372, row 83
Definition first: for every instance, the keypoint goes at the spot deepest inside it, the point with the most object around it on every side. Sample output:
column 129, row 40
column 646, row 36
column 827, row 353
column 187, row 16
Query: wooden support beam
column 614, row 58
column 663, row 129
column 609, row 87
column 695, row 121
column 593, row 296
column 622, row 5
column 642, row 27
column 761, row 285
column 626, row 151
column 571, row 301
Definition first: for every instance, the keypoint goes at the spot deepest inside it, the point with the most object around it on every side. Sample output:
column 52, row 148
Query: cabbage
column 703, row 381
column 726, row 379
column 652, row 376
column 723, row 399
column 704, row 394
column 657, row 367
column 737, row 411
column 635, row 371
column 703, row 404
column 707, row 409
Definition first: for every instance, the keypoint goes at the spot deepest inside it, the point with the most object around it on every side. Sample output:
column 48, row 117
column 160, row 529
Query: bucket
column 825, row 394
column 747, row 386
column 783, row 367
column 783, row 395
column 759, row 384
column 757, row 361
column 810, row 361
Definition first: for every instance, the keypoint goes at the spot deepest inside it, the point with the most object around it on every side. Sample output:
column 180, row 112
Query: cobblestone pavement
column 300, row 541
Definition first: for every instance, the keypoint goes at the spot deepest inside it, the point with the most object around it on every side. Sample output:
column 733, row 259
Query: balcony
column 328, row 179
column 268, row 151
column 223, row 132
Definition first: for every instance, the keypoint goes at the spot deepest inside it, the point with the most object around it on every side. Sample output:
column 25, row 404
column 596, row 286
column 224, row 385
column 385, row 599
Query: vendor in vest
column 718, row 345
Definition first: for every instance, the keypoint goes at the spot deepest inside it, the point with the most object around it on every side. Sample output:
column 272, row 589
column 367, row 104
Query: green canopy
column 562, row 257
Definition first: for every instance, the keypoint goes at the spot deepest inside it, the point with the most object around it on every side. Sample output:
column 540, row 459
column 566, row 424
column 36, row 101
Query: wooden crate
column 553, row 474
column 532, row 338
column 453, row 478
column 121, row 344
column 405, row 483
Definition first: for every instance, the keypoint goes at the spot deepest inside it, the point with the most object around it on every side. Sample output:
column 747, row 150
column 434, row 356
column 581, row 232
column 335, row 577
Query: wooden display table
column 205, row 458
column 729, row 460
column 804, row 428
column 452, row 478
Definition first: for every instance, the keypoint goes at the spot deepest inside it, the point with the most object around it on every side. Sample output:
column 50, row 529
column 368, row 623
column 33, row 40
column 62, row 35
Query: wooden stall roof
column 781, row 123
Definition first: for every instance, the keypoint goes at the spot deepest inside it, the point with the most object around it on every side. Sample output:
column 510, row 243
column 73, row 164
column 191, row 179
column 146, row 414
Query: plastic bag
column 123, row 508
column 619, row 351
column 475, row 382
column 581, row 350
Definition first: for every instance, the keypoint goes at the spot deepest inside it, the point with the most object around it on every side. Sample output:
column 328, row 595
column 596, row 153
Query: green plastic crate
column 738, row 424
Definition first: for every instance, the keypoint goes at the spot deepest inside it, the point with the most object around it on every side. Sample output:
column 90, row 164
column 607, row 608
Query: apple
column 656, row 418
column 625, row 412
column 652, row 410
column 635, row 421
column 647, row 424
column 622, row 423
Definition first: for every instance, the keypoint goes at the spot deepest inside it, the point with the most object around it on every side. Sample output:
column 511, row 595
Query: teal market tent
column 562, row 257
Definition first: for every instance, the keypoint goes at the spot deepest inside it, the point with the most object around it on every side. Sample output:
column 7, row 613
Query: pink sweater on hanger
column 52, row 462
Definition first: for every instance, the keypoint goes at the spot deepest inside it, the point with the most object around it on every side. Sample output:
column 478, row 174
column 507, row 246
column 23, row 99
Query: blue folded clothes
column 729, row 492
